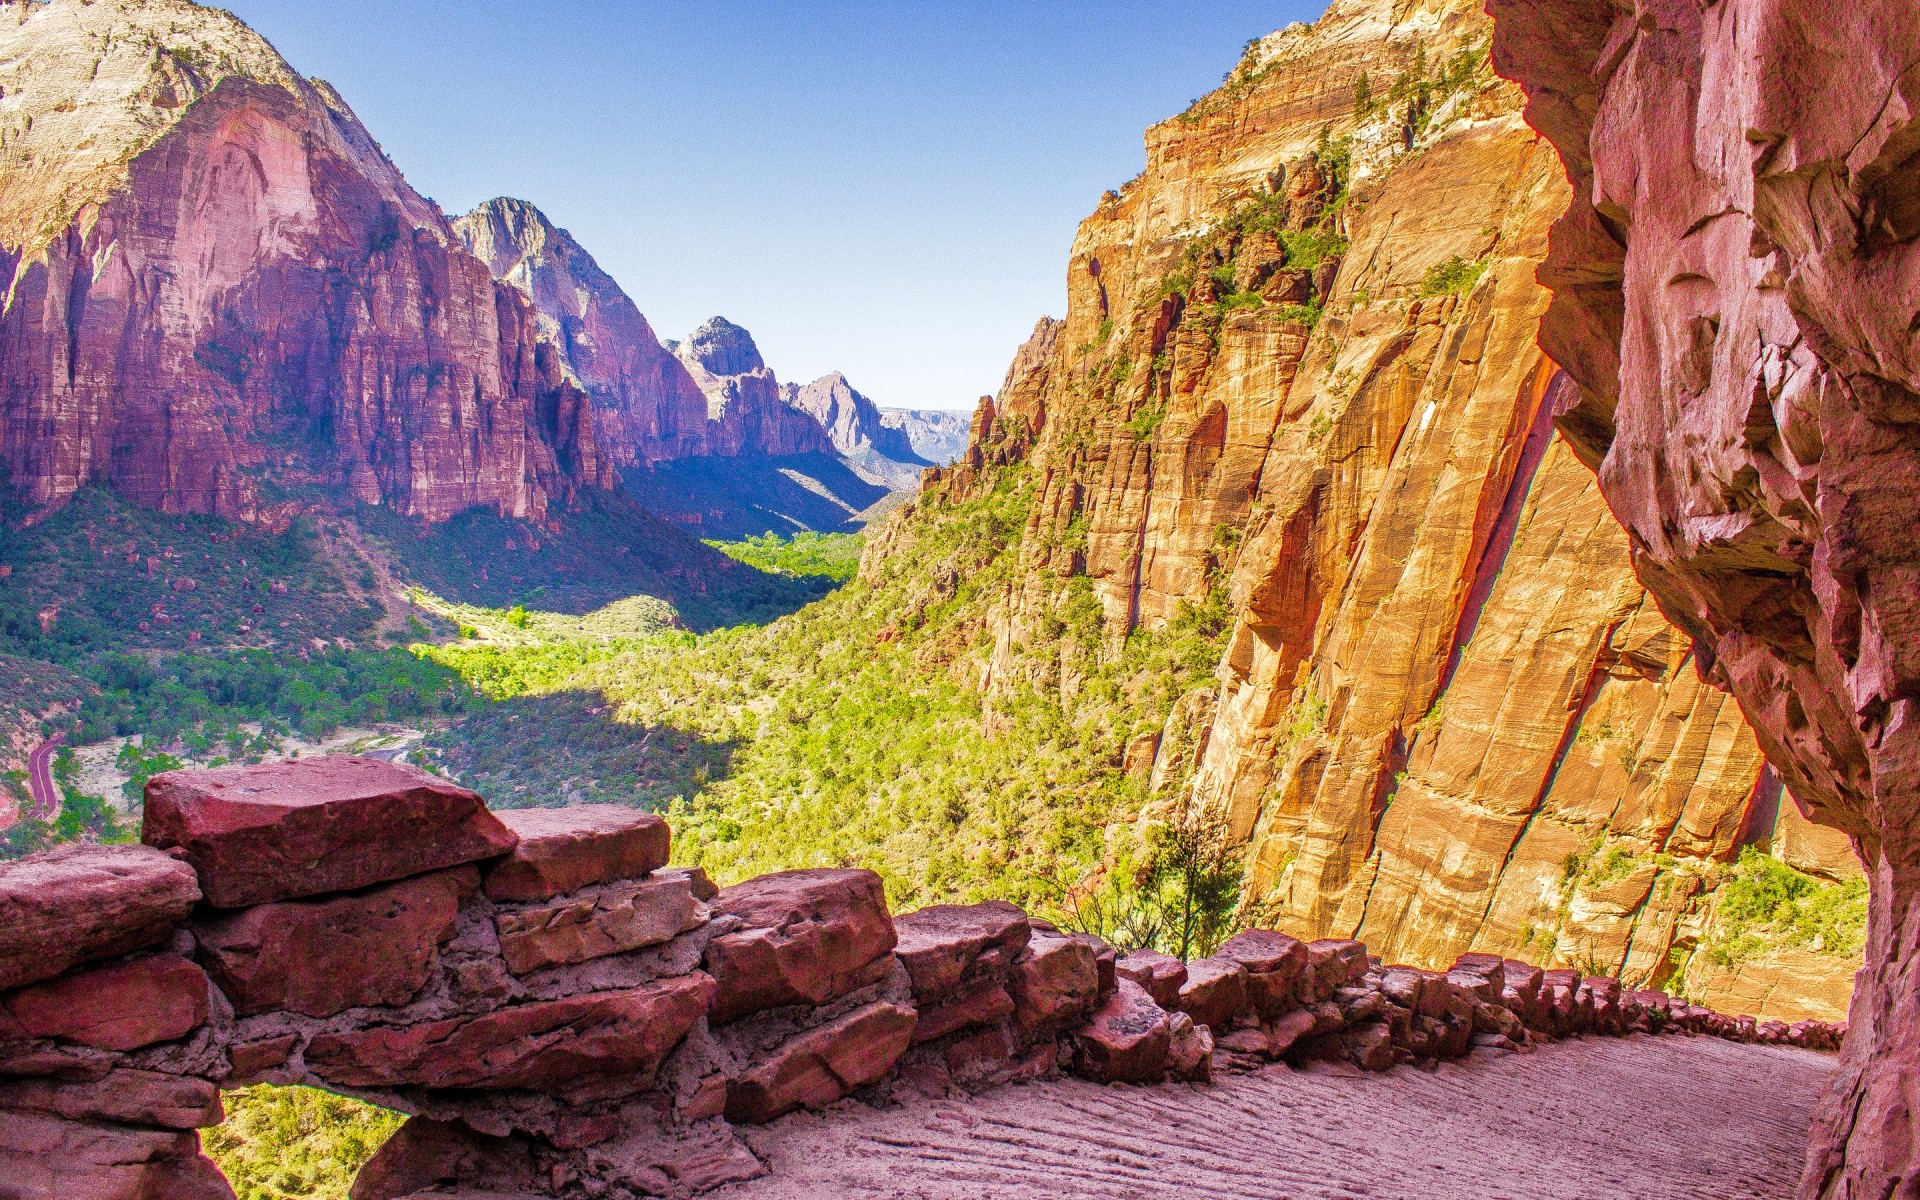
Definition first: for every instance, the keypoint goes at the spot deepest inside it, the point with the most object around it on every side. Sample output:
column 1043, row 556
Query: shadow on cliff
column 747, row 496
column 611, row 549
column 567, row 748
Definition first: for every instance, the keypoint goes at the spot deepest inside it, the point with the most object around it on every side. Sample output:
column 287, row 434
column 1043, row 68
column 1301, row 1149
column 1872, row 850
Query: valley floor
column 1674, row 1118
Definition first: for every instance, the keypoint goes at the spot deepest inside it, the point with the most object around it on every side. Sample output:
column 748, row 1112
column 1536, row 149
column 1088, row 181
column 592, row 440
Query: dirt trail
column 1597, row 1119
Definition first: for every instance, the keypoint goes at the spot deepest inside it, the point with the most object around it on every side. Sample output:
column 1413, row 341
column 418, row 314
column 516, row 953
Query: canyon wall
column 647, row 407
column 216, row 279
column 882, row 453
column 1736, row 282
column 1298, row 375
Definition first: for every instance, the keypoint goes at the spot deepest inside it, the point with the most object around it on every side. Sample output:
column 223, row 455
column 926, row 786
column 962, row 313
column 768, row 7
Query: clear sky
column 884, row 189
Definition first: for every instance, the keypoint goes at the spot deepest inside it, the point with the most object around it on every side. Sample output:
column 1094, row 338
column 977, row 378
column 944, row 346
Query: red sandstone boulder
column 824, row 1064
column 614, row 919
column 1104, row 962
column 1215, row 991
column 565, row 849
column 1160, row 974
column 1274, row 963
column 1370, row 1046
column 1126, row 1040
column 78, row 903
column 809, row 936
column 939, row 945
column 320, row 957
column 1055, row 982
column 308, row 826
column 127, row 1096
column 49, row 1158
column 1332, row 963
column 1190, row 1054
column 1485, row 975
column 120, row 1007
column 586, row 1046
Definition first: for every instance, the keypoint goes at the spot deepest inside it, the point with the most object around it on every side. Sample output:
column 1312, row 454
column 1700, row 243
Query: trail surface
column 1639, row 1118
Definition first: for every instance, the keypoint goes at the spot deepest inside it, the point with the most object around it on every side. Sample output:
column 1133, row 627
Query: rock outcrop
column 1298, row 376
column 623, row 1067
column 1735, row 281
column 745, row 403
column 647, row 407
column 937, row 435
column 215, row 277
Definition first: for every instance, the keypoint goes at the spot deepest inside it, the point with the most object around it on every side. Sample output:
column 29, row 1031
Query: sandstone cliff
column 647, row 407
column 745, row 406
column 881, row 453
column 216, row 279
column 1298, row 377
column 1735, row 286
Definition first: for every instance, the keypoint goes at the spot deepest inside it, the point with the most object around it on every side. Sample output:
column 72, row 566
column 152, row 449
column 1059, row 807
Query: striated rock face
column 882, row 453
column 215, row 276
column 1735, row 286
column 1299, row 376
column 647, row 407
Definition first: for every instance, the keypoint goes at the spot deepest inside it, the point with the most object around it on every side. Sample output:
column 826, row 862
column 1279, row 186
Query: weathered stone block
column 1274, row 963
column 983, row 1002
column 80, row 903
column 824, row 1064
column 565, row 849
column 1054, row 983
column 49, row 1158
column 809, row 936
column 1127, row 1039
column 308, row 826
column 608, row 920
column 551, row 1045
column 120, row 1007
column 1215, row 991
column 939, row 945
column 1160, row 974
column 128, row 1096
column 321, row 957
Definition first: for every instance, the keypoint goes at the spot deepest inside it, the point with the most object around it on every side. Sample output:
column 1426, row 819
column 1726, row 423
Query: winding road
column 46, row 798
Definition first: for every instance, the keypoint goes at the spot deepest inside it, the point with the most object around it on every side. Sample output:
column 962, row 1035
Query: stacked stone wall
column 563, row 1014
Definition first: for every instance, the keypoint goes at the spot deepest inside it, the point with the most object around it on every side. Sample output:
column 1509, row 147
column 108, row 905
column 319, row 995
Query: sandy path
column 1598, row 1119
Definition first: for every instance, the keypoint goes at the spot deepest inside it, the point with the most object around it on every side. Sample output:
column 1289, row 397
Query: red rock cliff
column 1299, row 366
column 216, row 278
column 1736, row 283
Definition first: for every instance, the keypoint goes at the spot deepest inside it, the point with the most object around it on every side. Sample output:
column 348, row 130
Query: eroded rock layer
column 1299, row 375
column 1736, row 282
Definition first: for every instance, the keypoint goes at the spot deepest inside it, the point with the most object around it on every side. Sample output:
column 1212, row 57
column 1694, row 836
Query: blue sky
column 885, row 189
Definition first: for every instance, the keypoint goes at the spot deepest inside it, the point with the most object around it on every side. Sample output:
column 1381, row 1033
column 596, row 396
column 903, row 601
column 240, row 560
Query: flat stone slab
column 617, row 1037
column 324, row 956
column 79, row 903
column 123, row 1006
column 315, row 825
column 622, row 916
column 824, row 1064
column 564, row 849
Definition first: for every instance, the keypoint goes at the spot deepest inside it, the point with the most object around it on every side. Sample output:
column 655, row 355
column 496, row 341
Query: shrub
column 1454, row 277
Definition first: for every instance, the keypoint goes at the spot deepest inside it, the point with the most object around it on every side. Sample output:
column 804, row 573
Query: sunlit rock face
column 216, row 277
column 879, row 445
column 647, row 407
column 746, row 412
column 1735, row 287
column 1449, row 718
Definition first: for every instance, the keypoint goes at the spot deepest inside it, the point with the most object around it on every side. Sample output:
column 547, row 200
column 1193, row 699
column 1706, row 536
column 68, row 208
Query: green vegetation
column 834, row 556
column 1177, row 893
column 1765, row 903
column 1148, row 419
column 1454, row 277
column 291, row 1143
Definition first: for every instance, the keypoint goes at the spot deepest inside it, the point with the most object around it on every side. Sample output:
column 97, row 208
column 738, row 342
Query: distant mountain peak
column 723, row 348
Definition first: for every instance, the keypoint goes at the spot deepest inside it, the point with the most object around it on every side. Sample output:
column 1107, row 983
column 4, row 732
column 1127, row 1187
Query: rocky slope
column 1742, row 337
column 216, row 279
column 1298, row 377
